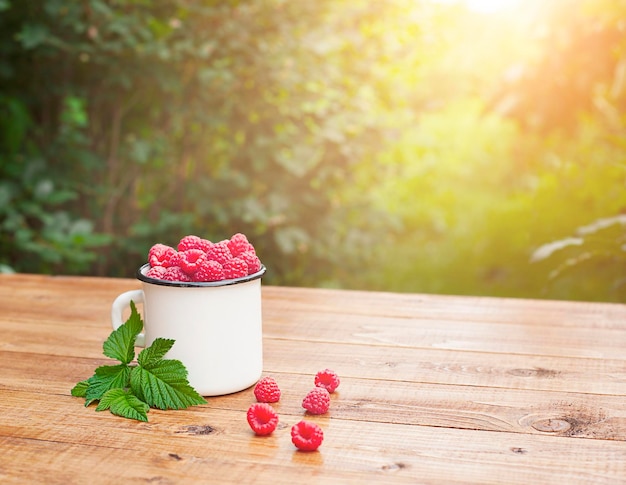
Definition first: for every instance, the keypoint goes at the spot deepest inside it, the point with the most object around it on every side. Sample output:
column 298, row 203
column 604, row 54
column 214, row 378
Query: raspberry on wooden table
column 307, row 436
column 262, row 418
column 267, row 390
column 328, row 379
column 317, row 401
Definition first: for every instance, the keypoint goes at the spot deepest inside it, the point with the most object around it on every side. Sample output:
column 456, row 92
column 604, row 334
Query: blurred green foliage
column 358, row 144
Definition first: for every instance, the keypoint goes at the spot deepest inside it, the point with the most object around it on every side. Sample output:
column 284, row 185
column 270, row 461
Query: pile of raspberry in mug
column 198, row 259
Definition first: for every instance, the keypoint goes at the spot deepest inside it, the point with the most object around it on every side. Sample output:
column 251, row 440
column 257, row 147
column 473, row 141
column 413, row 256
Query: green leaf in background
column 122, row 403
column 32, row 35
column 164, row 385
column 121, row 343
column 74, row 112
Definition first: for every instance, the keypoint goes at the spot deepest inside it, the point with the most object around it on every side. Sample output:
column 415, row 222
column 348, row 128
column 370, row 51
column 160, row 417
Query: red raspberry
column 191, row 260
column 157, row 272
column 209, row 271
column 266, row 390
column 219, row 252
column 328, row 379
column 160, row 253
column 175, row 273
column 317, row 401
column 307, row 436
column 174, row 260
column 205, row 244
column 194, row 242
column 235, row 268
column 239, row 244
column 252, row 260
column 262, row 418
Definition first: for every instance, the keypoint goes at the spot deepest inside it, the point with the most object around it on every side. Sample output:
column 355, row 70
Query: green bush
column 358, row 144
column 163, row 119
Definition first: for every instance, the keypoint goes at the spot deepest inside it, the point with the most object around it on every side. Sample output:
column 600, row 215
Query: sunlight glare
column 485, row 6
column 490, row 6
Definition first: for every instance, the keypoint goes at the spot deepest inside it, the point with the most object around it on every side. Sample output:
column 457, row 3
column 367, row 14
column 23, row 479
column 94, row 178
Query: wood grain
column 435, row 389
column 209, row 439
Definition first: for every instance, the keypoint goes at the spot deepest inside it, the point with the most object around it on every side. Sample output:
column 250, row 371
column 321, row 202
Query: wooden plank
column 62, row 464
column 193, row 443
column 358, row 399
column 594, row 376
column 448, row 307
column 331, row 326
column 53, row 300
column 20, row 291
column 447, row 334
column 434, row 390
column 302, row 317
column 319, row 327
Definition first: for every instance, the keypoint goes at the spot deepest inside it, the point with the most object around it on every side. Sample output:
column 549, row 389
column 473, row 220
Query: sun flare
column 485, row 6
column 490, row 6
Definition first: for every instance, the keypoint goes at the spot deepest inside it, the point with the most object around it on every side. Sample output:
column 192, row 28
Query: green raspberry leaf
column 123, row 403
column 107, row 377
column 164, row 385
column 154, row 354
column 80, row 389
column 121, row 343
column 130, row 390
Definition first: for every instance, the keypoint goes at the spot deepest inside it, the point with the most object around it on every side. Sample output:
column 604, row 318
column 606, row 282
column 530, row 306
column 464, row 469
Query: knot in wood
column 538, row 372
column 552, row 425
column 197, row 429
column 394, row 466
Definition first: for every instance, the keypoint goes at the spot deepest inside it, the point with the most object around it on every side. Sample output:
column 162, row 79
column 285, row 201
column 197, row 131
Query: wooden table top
column 434, row 389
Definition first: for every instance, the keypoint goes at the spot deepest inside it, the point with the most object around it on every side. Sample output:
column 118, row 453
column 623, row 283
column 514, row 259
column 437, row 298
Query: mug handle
column 120, row 304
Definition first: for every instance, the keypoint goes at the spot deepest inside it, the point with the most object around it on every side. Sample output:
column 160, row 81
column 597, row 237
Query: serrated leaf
column 121, row 343
column 164, row 385
column 123, row 403
column 154, row 354
column 80, row 389
column 154, row 382
column 107, row 377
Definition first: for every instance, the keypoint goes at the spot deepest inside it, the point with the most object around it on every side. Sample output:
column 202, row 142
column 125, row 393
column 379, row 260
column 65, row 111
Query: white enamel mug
column 217, row 327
